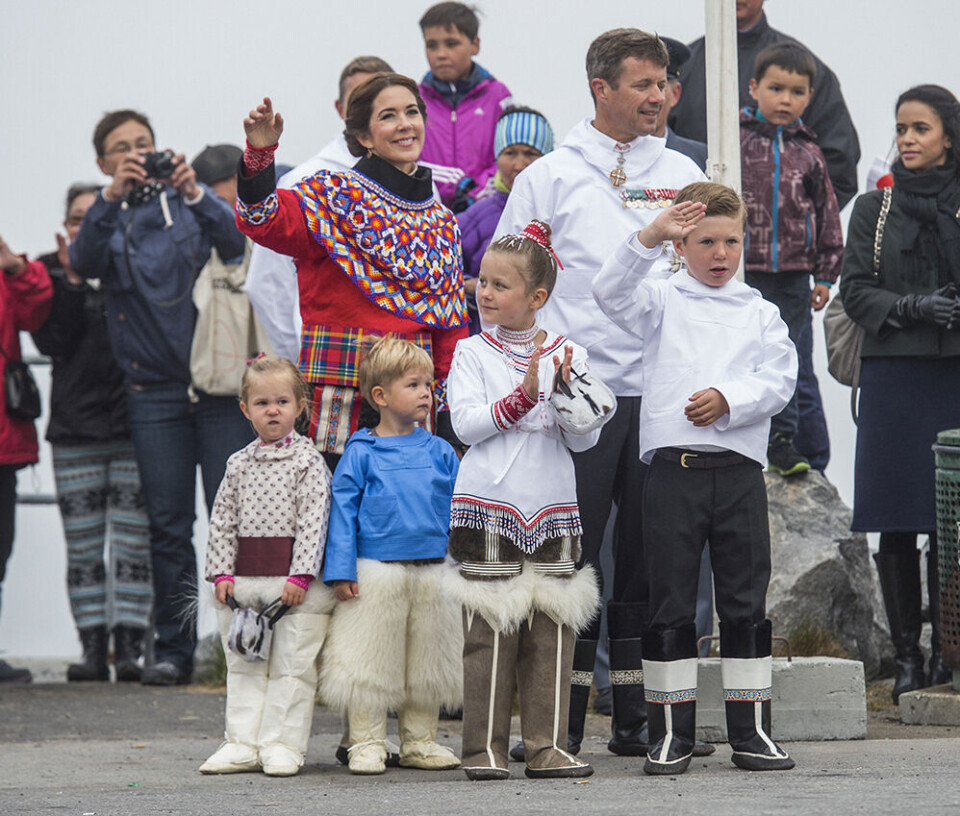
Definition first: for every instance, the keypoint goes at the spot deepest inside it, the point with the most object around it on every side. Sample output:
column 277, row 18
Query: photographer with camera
column 146, row 237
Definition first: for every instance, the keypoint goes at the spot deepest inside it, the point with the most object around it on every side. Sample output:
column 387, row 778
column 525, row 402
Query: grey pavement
column 110, row 750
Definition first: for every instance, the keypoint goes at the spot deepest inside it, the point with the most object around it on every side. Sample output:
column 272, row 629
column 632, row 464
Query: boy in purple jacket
column 463, row 102
column 793, row 219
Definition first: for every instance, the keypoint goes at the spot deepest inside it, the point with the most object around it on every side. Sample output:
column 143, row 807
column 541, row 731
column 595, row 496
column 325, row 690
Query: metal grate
column 948, row 543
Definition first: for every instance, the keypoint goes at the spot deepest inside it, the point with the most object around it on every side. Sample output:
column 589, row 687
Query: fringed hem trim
column 550, row 522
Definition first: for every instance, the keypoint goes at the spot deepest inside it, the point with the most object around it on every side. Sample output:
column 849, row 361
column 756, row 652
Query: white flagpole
column 723, row 95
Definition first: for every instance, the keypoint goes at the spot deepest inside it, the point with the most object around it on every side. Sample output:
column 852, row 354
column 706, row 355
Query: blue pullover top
column 391, row 501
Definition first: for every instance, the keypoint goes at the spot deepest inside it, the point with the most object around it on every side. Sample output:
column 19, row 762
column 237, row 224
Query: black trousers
column 8, row 509
column 683, row 509
column 609, row 472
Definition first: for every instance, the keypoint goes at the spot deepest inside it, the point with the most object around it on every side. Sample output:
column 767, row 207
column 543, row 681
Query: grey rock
column 822, row 574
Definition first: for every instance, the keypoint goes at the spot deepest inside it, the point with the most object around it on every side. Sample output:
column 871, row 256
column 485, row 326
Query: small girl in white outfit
column 267, row 534
column 515, row 524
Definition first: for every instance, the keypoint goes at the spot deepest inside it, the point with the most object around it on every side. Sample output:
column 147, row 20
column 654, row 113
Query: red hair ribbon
column 536, row 233
column 254, row 359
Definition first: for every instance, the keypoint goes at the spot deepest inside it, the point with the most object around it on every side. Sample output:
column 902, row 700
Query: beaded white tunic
column 517, row 478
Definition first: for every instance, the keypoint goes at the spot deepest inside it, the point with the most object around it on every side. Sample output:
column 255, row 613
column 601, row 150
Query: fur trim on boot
column 506, row 604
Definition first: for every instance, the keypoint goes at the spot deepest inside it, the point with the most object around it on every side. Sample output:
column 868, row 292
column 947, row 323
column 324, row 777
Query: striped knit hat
column 523, row 126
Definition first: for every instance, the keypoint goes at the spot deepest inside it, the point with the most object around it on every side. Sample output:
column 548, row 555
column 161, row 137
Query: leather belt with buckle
column 701, row 460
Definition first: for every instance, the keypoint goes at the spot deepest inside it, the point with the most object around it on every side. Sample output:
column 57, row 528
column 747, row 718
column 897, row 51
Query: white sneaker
column 428, row 756
column 278, row 760
column 232, row 757
column 368, row 758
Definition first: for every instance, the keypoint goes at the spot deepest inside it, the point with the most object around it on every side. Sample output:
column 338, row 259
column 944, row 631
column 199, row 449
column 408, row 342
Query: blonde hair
column 387, row 360
column 273, row 366
column 538, row 267
column 720, row 199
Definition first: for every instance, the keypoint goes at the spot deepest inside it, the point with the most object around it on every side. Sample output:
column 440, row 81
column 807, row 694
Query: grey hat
column 679, row 54
column 216, row 163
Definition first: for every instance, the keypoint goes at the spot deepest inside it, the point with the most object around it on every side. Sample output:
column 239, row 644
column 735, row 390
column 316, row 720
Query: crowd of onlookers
column 131, row 419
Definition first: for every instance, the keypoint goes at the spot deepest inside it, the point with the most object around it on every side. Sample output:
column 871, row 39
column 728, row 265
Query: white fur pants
column 398, row 643
column 271, row 701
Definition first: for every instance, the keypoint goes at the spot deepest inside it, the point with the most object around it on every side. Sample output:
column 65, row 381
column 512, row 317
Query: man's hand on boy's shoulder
column 706, row 407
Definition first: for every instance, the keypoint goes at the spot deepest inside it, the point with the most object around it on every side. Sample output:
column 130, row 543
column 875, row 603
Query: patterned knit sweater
column 271, row 491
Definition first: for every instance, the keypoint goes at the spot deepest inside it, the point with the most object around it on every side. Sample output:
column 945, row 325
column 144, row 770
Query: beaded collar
column 521, row 338
column 416, row 188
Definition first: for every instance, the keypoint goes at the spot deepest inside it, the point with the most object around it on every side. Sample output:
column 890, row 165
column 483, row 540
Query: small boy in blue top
column 395, row 639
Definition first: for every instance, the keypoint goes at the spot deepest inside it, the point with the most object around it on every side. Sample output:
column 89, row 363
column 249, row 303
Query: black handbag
column 20, row 390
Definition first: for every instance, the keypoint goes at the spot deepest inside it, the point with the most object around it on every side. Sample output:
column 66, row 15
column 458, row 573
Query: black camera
column 158, row 165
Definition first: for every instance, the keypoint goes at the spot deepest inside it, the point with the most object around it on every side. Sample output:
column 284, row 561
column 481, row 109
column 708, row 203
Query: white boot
column 368, row 741
column 418, row 746
column 246, row 690
column 291, row 692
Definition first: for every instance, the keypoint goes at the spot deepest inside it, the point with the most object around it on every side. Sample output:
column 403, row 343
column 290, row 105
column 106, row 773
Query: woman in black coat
column 910, row 380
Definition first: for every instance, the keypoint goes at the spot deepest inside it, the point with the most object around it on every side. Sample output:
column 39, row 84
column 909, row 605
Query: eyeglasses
column 123, row 147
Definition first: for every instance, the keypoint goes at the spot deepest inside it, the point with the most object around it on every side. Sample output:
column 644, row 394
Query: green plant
column 212, row 667
column 809, row 639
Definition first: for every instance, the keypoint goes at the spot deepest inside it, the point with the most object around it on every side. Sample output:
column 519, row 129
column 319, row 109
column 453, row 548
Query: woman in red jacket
column 376, row 252
column 25, row 295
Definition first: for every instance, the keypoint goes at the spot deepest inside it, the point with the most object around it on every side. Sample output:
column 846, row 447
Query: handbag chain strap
column 881, row 223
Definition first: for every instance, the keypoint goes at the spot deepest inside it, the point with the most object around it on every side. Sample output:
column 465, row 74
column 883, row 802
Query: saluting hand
column 673, row 224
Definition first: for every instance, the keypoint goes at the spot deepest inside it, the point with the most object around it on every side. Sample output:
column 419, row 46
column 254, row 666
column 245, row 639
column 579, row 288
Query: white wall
column 196, row 68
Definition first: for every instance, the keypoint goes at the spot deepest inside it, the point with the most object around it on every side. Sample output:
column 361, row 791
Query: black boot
column 584, row 656
column 626, row 622
column 670, row 676
column 939, row 674
column 93, row 666
column 127, row 648
column 745, row 667
column 899, row 570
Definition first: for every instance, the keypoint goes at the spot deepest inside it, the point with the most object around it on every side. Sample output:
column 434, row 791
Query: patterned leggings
column 98, row 489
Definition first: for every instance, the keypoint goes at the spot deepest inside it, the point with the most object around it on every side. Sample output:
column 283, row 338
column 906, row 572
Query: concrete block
column 938, row 705
column 813, row 698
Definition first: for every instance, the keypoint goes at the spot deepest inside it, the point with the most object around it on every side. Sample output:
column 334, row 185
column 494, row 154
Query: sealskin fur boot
column 746, row 670
column 543, row 676
column 626, row 622
column 489, row 679
column 670, row 676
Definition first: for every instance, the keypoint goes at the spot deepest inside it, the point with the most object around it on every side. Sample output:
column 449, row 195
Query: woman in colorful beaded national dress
column 376, row 252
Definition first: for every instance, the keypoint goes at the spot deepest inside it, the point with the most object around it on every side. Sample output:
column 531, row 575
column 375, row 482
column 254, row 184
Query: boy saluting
column 717, row 364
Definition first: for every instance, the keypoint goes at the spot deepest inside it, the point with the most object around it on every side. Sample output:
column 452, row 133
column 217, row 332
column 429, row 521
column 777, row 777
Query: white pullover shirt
column 696, row 337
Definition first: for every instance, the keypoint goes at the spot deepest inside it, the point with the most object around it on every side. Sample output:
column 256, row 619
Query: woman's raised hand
column 263, row 126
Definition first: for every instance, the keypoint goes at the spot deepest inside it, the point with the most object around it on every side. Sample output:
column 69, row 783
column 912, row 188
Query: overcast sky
column 195, row 68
